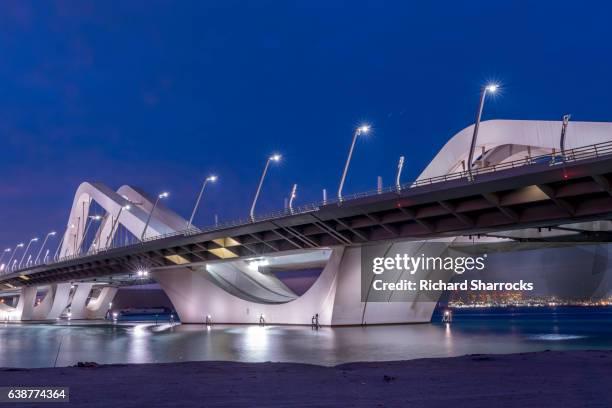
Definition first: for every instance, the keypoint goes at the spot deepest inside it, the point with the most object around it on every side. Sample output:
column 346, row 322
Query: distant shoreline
column 567, row 378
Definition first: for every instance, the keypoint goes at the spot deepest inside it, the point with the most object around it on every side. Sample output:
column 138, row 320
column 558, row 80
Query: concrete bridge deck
column 535, row 195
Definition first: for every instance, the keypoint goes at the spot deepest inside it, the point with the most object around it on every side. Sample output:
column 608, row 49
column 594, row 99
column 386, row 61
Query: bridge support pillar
column 25, row 305
column 335, row 297
column 56, row 300
column 97, row 308
column 78, row 306
column 50, row 308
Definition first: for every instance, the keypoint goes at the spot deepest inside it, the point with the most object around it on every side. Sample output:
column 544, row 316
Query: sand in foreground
column 549, row 379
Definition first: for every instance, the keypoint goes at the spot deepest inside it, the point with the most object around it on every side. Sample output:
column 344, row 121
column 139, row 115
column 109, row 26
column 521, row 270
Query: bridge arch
column 541, row 136
column 162, row 221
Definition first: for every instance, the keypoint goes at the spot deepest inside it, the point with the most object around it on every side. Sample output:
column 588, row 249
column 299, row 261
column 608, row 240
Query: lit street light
column 359, row 131
column 20, row 245
column 91, row 219
column 197, row 204
column 144, row 230
column 26, row 251
column 51, row 234
column 115, row 223
column 491, row 88
column 275, row 158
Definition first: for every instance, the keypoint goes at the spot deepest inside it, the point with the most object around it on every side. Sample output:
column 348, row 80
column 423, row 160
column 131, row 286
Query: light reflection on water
column 38, row 345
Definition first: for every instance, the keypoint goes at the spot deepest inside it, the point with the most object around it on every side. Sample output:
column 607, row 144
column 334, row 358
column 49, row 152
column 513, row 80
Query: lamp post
column 491, row 88
column 400, row 167
column 144, row 230
column 566, row 119
column 51, row 234
column 359, row 131
column 6, row 251
column 292, row 197
column 91, row 219
column 197, row 204
column 275, row 158
column 26, row 251
column 115, row 223
column 57, row 254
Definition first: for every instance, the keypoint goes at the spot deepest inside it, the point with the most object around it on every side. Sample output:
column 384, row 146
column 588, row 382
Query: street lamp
column 51, row 234
column 491, row 88
column 20, row 245
column 91, row 219
column 359, row 131
column 26, row 251
column 144, row 230
column 197, row 204
column 275, row 158
column 115, row 223
column 6, row 251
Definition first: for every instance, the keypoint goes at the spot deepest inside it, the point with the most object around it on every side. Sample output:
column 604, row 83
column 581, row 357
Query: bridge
column 524, row 186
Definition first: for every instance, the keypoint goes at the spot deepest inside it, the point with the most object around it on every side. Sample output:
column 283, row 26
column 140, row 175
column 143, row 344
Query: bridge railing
column 546, row 160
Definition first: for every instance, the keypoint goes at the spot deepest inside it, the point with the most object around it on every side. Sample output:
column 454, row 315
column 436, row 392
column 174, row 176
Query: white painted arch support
column 51, row 307
column 58, row 298
column 508, row 140
column 335, row 297
column 82, row 307
column 162, row 221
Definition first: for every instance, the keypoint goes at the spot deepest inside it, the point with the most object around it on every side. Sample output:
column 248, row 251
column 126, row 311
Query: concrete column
column 78, row 306
column 60, row 301
column 97, row 308
column 25, row 306
column 55, row 301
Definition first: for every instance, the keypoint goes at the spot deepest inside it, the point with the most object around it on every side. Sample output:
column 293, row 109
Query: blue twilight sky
column 159, row 94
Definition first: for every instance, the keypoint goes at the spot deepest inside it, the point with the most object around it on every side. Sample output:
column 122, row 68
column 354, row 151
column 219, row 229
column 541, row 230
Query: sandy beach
column 568, row 379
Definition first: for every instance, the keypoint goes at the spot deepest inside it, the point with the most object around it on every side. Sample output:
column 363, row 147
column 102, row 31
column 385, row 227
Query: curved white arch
column 162, row 221
column 541, row 136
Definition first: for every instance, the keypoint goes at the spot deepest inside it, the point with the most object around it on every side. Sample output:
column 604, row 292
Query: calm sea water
column 472, row 331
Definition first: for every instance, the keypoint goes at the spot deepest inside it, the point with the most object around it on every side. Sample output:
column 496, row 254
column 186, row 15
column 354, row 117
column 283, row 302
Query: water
column 472, row 331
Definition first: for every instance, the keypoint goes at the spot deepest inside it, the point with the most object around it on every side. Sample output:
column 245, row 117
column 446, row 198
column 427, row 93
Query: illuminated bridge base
column 61, row 300
column 334, row 297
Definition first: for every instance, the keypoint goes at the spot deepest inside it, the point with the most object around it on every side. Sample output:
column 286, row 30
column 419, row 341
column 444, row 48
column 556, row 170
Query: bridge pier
column 50, row 308
column 335, row 297
column 56, row 300
column 78, row 305
column 81, row 309
column 97, row 308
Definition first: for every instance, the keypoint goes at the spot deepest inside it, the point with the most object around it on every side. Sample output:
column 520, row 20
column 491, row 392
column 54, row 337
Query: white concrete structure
column 63, row 299
column 232, row 291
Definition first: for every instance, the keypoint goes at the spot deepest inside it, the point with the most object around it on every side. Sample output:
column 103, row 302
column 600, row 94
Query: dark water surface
column 472, row 331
